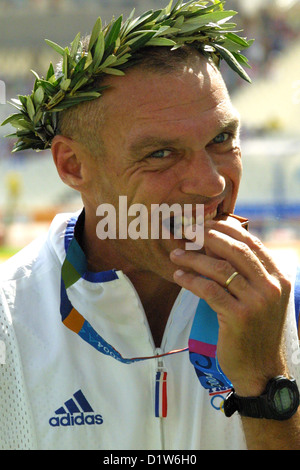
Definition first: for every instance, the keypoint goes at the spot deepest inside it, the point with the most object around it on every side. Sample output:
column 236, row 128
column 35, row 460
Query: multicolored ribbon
column 203, row 350
column 203, row 338
column 73, row 268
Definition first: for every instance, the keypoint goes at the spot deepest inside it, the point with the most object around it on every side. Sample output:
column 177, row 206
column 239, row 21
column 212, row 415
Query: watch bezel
column 273, row 387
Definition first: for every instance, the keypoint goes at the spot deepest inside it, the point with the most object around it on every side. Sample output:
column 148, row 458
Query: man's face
column 168, row 139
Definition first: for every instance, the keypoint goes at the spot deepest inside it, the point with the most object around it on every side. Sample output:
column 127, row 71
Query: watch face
column 283, row 400
column 284, row 396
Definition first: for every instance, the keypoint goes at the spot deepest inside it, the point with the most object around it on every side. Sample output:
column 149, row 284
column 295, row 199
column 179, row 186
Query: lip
column 213, row 209
column 183, row 209
column 184, row 217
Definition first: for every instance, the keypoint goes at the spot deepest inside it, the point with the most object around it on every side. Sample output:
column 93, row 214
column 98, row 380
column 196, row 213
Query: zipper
column 161, row 389
column 161, row 374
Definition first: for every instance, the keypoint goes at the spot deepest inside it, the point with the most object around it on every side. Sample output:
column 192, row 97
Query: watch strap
column 264, row 406
column 245, row 406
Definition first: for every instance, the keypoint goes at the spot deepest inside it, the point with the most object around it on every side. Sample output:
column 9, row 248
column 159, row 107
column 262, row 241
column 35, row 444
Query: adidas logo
column 76, row 412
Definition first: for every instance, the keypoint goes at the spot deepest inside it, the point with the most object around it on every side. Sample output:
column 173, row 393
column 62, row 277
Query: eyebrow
column 232, row 124
column 150, row 142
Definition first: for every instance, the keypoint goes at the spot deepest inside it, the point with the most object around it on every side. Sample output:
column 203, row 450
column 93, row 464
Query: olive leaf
column 113, row 32
column 74, row 46
column 112, row 71
column 161, row 42
column 30, row 108
column 55, row 46
column 50, row 72
column 99, row 50
column 38, row 96
column 232, row 61
column 95, row 33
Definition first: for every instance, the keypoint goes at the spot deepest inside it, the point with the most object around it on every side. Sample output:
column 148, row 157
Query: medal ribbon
column 75, row 267
column 203, row 350
column 203, row 337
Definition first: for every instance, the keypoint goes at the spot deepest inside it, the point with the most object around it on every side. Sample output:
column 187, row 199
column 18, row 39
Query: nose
column 201, row 176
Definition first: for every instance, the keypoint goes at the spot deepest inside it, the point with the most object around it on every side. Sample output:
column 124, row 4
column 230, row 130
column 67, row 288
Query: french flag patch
column 161, row 402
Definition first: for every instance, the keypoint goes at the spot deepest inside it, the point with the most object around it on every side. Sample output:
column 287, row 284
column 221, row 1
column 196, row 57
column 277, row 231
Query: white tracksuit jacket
column 58, row 392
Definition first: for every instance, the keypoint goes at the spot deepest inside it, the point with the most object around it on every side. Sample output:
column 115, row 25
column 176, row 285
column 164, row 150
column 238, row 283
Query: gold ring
column 230, row 279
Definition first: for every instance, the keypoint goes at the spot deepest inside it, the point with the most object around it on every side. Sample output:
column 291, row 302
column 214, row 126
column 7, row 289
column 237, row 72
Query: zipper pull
column 161, row 399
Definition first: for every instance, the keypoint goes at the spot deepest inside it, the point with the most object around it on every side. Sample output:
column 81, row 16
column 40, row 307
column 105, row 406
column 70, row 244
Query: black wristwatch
column 279, row 401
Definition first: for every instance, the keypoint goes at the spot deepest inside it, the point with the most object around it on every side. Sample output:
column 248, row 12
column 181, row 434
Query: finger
column 218, row 270
column 218, row 299
column 238, row 254
column 266, row 280
column 237, row 232
column 262, row 253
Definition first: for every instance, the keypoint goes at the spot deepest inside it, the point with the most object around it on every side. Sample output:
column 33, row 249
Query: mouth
column 178, row 224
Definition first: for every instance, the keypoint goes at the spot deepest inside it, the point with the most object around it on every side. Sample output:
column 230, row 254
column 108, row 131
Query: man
column 166, row 132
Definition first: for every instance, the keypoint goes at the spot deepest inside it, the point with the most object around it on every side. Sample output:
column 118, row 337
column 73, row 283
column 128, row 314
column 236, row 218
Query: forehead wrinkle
column 203, row 93
column 226, row 119
column 201, row 101
column 159, row 106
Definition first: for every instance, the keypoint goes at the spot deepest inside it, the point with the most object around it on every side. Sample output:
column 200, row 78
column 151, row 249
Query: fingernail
column 191, row 232
column 178, row 252
column 179, row 273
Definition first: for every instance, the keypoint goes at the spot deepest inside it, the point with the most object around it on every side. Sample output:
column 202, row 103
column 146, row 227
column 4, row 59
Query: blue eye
column 160, row 153
column 221, row 138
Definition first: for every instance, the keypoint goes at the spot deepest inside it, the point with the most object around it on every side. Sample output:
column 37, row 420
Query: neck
column 157, row 299
column 157, row 294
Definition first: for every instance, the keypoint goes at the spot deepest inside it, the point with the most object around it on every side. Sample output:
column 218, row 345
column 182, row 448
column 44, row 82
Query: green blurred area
column 6, row 252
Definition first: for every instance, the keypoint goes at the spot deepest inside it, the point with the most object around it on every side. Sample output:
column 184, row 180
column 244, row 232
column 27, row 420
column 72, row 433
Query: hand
column 251, row 311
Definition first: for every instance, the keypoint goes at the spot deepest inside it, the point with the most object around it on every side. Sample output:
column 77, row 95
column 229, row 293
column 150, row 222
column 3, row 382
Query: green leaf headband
column 111, row 50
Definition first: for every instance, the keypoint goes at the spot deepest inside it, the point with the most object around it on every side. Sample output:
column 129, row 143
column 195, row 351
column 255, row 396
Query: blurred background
column 31, row 192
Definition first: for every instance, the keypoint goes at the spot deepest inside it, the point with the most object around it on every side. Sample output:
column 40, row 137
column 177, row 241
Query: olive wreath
column 204, row 24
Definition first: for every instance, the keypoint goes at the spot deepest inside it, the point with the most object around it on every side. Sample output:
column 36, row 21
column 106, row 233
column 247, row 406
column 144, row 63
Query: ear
column 67, row 158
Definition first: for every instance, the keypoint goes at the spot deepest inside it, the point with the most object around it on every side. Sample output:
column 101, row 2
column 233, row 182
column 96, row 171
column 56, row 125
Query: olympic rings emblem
column 217, row 402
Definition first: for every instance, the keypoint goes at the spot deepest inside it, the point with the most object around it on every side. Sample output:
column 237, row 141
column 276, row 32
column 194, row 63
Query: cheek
column 235, row 173
column 148, row 186
column 159, row 186
column 101, row 186
column 239, row 165
column 234, row 167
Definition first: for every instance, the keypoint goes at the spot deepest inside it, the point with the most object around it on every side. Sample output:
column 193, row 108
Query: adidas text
column 78, row 420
